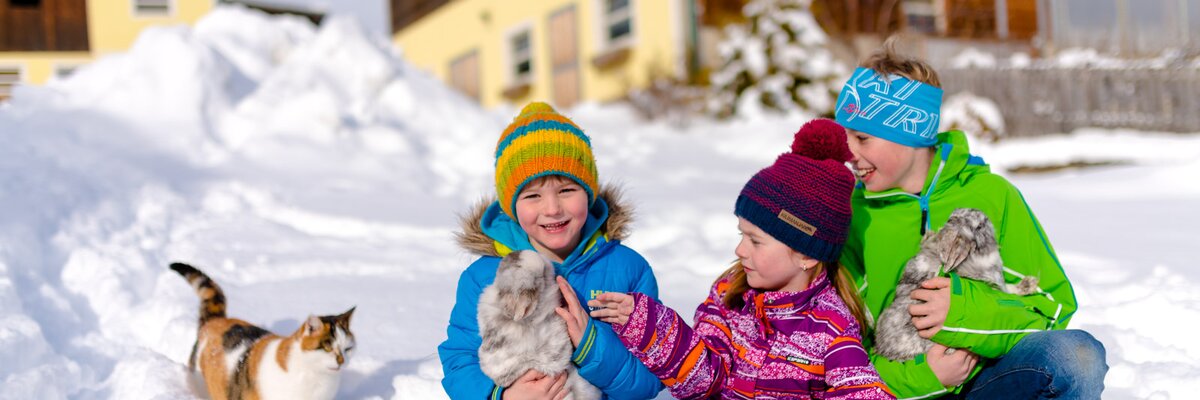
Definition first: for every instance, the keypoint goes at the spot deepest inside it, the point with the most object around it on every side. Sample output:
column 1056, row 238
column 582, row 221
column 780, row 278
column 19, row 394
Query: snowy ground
column 308, row 171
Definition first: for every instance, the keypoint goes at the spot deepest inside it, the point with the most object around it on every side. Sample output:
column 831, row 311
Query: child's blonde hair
column 839, row 276
column 887, row 61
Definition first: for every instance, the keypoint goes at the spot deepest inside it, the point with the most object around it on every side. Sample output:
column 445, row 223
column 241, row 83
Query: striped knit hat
column 803, row 200
column 542, row 142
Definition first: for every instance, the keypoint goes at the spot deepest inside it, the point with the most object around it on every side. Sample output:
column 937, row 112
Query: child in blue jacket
column 549, row 200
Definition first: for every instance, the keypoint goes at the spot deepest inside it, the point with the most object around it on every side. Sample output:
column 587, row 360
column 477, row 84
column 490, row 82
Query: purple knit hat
column 803, row 200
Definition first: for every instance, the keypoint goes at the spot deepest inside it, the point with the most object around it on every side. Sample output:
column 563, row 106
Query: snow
column 978, row 116
column 973, row 58
column 310, row 170
column 1072, row 57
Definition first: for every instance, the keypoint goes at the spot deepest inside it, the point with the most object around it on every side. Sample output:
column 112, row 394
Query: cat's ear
column 345, row 317
column 313, row 324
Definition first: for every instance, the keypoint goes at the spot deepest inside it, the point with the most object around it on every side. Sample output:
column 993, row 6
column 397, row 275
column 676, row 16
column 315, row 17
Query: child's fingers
column 611, row 296
column 620, row 305
column 965, row 358
column 601, row 302
column 560, row 382
column 972, row 361
column 916, row 310
column 566, row 315
column 624, row 299
column 604, row 313
column 922, row 295
column 565, row 287
column 611, row 316
column 568, row 295
column 531, row 375
column 935, row 283
column 922, row 323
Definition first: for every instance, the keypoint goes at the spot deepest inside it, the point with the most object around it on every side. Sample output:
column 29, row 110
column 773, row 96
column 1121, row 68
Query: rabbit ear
column 518, row 304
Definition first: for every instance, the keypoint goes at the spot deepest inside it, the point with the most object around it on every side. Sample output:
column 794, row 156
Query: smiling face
column 882, row 165
column 552, row 211
column 771, row 264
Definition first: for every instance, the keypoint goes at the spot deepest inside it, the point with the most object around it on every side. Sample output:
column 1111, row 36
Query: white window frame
column 512, row 59
column 137, row 13
column 925, row 9
column 62, row 66
column 20, row 78
column 605, row 21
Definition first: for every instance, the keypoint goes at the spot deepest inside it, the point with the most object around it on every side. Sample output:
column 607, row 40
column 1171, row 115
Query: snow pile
column 973, row 58
column 261, row 149
column 977, row 116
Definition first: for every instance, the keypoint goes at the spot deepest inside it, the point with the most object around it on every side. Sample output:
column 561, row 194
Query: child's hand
column 572, row 314
column 930, row 316
column 612, row 307
column 951, row 369
column 536, row 385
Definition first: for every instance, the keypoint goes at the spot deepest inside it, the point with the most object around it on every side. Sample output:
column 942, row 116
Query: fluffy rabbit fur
column 965, row 245
column 520, row 329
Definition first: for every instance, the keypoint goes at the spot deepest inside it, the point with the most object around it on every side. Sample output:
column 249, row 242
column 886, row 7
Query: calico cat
column 242, row 361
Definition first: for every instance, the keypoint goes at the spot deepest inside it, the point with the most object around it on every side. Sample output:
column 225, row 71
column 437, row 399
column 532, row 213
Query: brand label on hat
column 797, row 222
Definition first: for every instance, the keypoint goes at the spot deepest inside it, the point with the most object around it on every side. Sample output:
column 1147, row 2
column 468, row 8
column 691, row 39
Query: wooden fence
column 1038, row 101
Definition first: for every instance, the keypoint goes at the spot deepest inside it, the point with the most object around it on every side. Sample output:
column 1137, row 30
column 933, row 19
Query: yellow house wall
column 39, row 67
column 657, row 46
column 112, row 27
column 459, row 27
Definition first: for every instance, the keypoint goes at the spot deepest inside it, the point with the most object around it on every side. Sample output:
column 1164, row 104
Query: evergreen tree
column 778, row 60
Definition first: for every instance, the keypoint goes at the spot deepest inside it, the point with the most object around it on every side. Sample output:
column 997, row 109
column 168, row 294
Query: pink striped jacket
column 780, row 345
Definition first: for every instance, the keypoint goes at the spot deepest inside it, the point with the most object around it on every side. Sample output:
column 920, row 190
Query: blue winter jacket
column 600, row 264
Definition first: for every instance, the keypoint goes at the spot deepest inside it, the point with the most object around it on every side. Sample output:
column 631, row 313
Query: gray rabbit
column 967, row 245
column 519, row 328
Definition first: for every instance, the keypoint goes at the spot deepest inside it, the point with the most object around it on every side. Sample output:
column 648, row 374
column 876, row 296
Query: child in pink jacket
column 784, row 321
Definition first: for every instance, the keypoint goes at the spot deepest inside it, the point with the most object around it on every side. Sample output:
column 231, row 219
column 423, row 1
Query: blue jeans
column 1067, row 364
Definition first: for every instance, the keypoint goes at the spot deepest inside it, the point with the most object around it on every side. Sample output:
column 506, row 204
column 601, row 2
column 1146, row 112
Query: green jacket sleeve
column 989, row 322
column 997, row 320
column 912, row 379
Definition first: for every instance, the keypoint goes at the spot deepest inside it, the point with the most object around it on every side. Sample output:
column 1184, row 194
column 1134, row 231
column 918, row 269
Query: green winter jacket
column 886, row 231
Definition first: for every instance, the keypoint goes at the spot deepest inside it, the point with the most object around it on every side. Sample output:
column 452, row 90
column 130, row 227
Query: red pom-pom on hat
column 822, row 139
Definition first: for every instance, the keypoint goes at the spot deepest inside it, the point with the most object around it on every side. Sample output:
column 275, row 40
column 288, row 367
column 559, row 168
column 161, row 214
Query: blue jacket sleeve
column 460, row 352
column 605, row 362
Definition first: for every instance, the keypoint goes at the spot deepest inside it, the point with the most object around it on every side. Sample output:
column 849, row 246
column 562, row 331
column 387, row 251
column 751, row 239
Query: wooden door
column 464, row 74
column 564, row 57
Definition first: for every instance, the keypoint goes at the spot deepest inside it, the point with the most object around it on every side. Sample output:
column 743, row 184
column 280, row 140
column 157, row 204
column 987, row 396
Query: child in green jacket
column 910, row 179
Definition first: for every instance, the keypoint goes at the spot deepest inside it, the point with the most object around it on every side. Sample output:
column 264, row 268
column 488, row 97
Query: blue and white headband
column 893, row 108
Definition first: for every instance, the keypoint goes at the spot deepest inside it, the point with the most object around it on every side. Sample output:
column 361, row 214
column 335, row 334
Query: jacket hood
column 952, row 165
column 612, row 213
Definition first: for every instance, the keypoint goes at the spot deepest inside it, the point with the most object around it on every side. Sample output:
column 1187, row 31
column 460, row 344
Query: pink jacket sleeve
column 691, row 362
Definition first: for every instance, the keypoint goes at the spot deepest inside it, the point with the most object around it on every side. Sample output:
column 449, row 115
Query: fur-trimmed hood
column 472, row 238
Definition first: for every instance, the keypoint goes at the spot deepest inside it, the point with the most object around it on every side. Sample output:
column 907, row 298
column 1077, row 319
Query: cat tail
column 212, row 299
